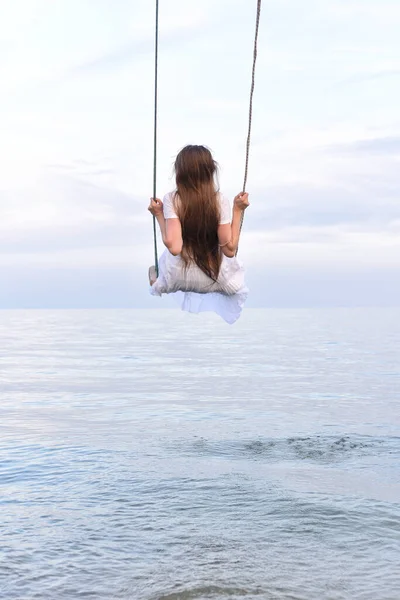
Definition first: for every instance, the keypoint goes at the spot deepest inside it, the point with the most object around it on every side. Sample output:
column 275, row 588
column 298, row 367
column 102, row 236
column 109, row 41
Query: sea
column 159, row 455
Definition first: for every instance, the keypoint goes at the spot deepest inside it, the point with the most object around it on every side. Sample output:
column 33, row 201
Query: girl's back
column 201, row 235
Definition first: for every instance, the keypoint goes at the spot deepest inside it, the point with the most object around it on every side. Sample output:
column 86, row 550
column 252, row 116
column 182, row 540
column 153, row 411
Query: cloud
column 372, row 76
column 62, row 213
column 375, row 146
column 316, row 206
column 114, row 59
column 346, row 187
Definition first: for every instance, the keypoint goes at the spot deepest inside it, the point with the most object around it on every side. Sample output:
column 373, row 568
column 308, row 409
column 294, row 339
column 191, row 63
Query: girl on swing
column 201, row 234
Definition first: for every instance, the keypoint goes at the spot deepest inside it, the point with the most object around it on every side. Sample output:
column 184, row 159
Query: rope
column 253, row 73
column 155, row 121
column 155, row 138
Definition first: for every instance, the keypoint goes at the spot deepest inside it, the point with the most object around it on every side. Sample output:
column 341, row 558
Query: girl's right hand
column 241, row 201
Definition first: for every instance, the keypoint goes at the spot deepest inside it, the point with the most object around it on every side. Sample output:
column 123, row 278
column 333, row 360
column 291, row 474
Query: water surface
column 157, row 455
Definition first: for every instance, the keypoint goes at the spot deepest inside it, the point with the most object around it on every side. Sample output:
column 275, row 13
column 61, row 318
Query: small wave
column 317, row 448
column 210, row 592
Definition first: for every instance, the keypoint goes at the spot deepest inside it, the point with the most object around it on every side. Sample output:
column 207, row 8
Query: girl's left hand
column 155, row 207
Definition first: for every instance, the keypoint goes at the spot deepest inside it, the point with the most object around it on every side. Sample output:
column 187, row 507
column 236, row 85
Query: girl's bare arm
column 171, row 231
column 229, row 234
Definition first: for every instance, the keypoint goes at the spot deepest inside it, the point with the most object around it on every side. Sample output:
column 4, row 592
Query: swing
column 195, row 291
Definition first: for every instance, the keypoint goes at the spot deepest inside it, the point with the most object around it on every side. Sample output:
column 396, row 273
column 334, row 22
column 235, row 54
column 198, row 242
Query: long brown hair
column 198, row 209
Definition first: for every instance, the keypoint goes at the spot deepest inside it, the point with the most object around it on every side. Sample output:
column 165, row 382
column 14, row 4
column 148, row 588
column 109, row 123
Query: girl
column 199, row 265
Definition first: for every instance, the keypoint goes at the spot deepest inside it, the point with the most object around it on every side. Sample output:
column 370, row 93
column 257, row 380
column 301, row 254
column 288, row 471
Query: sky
column 76, row 133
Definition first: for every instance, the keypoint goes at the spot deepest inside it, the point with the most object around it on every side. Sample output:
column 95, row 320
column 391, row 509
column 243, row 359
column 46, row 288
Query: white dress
column 193, row 290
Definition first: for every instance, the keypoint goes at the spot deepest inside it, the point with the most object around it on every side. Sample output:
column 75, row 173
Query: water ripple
column 318, row 448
